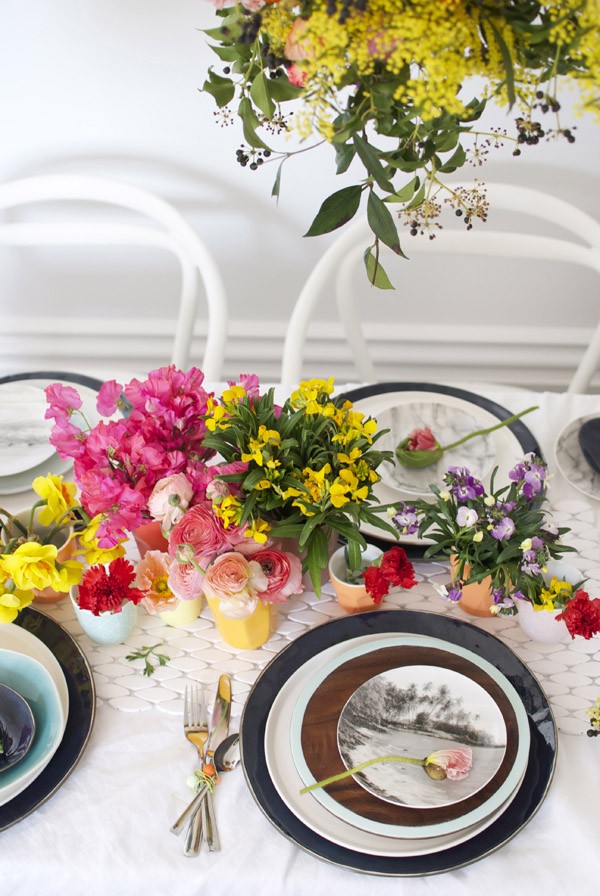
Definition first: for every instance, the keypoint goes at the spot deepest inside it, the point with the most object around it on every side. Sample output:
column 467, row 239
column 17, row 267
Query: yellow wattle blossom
column 58, row 495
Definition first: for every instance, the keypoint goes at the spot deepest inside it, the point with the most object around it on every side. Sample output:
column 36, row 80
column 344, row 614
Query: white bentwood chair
column 160, row 226
column 344, row 256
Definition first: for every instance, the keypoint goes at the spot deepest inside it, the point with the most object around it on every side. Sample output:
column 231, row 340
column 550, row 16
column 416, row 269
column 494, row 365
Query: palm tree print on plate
column 414, row 711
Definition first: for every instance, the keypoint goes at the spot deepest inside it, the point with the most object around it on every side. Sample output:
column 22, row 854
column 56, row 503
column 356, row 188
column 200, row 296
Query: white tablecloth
column 106, row 830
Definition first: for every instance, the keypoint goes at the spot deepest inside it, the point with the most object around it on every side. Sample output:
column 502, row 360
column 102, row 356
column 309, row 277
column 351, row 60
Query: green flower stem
column 10, row 520
column 359, row 768
column 484, row 432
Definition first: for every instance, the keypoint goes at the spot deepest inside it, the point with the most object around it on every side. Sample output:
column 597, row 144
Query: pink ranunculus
column 283, row 572
column 169, row 500
column 185, row 580
column 200, row 529
column 236, row 583
column 422, row 440
column 152, row 577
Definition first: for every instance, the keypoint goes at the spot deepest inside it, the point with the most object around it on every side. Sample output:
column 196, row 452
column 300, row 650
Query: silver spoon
column 227, row 757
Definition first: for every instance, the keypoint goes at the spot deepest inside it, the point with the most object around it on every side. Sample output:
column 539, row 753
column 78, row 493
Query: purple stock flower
column 504, row 529
column 463, row 485
column 405, row 519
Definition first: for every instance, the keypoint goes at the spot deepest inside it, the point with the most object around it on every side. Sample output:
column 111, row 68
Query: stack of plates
column 25, row 450
column 397, row 683
column 42, row 663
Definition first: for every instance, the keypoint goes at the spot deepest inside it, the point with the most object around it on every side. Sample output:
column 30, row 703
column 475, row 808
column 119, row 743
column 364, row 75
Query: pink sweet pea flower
column 63, row 400
column 67, row 439
column 283, row 572
column 108, row 397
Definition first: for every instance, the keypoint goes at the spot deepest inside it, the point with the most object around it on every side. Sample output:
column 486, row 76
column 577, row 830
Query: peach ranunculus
column 283, row 572
column 169, row 500
column 200, row 529
column 152, row 577
column 295, row 49
column 236, row 582
column 185, row 580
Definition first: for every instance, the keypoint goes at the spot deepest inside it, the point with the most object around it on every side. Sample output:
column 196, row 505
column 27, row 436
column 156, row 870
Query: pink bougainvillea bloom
column 63, row 400
column 456, row 763
column 283, row 572
column 108, row 397
column 422, row 440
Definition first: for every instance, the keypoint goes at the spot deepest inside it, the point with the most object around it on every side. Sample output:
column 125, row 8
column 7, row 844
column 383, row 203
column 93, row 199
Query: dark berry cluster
column 343, row 8
column 250, row 29
column 530, row 132
column 253, row 158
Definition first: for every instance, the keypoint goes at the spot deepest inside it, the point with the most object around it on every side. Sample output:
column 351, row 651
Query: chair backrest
column 161, row 227
column 345, row 254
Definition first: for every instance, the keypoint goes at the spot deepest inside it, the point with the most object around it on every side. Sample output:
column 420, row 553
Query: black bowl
column 17, row 727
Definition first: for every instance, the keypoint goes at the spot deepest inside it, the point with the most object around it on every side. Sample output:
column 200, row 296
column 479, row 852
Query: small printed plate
column 24, row 433
column 433, row 709
column 448, row 424
column 571, row 462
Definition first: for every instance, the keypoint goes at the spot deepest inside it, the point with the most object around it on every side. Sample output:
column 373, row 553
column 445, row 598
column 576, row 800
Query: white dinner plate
column 288, row 783
column 21, row 481
column 449, row 422
column 571, row 462
column 508, row 449
column 477, row 810
column 14, row 637
column 24, row 432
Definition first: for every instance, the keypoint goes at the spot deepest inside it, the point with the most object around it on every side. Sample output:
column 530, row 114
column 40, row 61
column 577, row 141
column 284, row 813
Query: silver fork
column 195, row 726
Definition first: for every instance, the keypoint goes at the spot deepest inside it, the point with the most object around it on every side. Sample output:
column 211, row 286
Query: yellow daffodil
column 58, row 495
column 32, row 565
column 12, row 602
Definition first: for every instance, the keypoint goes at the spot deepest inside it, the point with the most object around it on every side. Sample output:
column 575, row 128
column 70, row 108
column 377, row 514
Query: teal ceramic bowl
column 33, row 682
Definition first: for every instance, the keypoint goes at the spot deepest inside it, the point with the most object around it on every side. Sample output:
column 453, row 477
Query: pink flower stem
column 359, row 768
column 484, row 432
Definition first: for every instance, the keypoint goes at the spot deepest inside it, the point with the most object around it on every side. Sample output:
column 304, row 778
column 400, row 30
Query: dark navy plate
column 524, row 436
column 54, row 376
column 82, row 709
column 537, row 779
column 17, row 727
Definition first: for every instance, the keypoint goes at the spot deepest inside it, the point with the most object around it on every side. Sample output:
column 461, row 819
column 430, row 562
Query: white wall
column 112, row 86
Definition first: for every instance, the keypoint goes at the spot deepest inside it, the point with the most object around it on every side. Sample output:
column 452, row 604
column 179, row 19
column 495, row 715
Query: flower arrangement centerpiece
column 398, row 89
column 504, row 533
column 303, row 471
column 33, row 546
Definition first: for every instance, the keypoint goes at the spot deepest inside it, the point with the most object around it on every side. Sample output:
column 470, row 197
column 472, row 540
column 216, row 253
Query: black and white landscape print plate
column 412, row 712
column 422, row 807
column 572, row 463
column 24, row 433
column 265, row 728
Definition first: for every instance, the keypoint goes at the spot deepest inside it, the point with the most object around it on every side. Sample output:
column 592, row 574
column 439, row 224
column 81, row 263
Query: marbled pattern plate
column 571, row 462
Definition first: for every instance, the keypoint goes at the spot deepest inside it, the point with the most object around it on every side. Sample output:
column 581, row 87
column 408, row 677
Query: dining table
column 106, row 827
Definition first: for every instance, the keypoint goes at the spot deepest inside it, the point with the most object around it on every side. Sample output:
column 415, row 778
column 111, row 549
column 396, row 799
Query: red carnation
column 376, row 583
column 397, row 568
column 107, row 590
column 582, row 615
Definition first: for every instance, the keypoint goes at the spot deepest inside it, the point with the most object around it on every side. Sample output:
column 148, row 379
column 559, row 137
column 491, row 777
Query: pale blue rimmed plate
column 34, row 683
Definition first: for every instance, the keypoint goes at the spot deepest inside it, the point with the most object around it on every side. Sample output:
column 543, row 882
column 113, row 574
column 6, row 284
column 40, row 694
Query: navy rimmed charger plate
column 80, row 720
column 522, row 434
column 531, row 793
column 79, row 379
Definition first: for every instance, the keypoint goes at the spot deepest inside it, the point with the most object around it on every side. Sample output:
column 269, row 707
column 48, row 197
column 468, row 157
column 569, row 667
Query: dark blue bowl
column 17, row 727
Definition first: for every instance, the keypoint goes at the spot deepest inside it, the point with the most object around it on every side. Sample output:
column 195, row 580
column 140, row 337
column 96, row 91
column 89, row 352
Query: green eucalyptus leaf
column 370, row 159
column 222, row 89
column 382, row 223
column 375, row 272
column 249, row 123
column 336, row 210
column 259, row 92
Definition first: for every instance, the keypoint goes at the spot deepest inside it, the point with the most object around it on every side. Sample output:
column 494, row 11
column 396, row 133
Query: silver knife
column 203, row 818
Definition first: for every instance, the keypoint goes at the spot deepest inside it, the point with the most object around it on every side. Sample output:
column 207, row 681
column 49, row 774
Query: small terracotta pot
column 248, row 633
column 477, row 597
column 353, row 598
column 149, row 537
